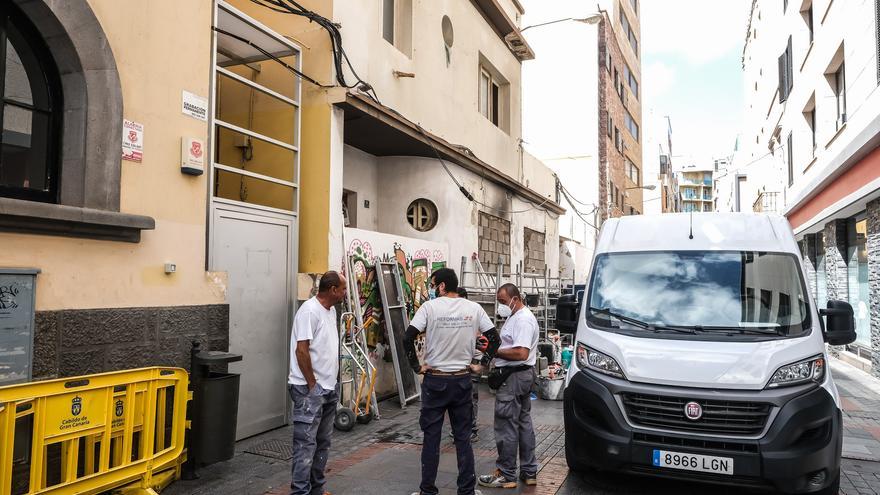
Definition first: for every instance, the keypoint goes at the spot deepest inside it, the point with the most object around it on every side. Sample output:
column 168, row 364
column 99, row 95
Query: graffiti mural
column 416, row 259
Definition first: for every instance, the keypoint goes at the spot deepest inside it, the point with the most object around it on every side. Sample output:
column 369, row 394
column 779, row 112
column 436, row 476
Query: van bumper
column 801, row 447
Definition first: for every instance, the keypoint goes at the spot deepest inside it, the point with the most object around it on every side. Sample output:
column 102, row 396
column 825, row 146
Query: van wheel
column 834, row 488
column 575, row 465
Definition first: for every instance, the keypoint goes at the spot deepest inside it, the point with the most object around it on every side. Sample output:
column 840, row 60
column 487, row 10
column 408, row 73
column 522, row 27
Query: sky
column 691, row 69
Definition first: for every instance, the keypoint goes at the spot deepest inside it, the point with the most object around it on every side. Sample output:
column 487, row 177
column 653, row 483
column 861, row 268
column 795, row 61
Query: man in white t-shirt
column 517, row 356
column 451, row 325
column 314, row 364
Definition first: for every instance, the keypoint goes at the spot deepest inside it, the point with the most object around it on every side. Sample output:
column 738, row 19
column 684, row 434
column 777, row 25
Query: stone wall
column 835, row 265
column 79, row 342
column 494, row 236
column 873, row 211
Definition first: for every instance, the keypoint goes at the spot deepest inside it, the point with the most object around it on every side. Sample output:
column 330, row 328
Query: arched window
column 30, row 111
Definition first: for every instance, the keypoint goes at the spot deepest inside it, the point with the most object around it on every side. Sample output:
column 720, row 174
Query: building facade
column 664, row 196
column 815, row 113
column 149, row 201
column 696, row 187
column 589, row 133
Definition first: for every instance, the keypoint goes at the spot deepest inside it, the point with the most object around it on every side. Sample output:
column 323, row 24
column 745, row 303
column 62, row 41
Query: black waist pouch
column 500, row 375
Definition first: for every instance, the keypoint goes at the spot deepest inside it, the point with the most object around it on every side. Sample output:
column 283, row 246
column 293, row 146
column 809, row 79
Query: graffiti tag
column 8, row 293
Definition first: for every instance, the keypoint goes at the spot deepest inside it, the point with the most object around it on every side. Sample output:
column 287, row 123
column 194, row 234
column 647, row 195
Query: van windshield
column 699, row 292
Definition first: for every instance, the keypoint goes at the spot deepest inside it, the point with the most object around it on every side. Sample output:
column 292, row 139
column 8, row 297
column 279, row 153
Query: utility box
column 17, row 296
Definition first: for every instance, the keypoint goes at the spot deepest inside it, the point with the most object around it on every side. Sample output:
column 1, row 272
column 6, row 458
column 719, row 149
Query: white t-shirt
column 452, row 325
column 317, row 324
column 520, row 330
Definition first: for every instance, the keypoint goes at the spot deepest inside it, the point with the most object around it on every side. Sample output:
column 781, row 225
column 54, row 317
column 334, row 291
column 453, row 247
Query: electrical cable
column 577, row 212
column 340, row 56
column 271, row 56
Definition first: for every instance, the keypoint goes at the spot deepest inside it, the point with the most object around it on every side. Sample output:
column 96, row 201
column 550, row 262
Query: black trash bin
column 213, row 411
column 216, row 418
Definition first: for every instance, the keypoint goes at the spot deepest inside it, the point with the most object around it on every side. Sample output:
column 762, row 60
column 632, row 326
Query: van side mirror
column 840, row 328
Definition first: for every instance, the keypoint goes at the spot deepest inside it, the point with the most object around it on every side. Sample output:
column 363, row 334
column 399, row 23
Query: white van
column 700, row 355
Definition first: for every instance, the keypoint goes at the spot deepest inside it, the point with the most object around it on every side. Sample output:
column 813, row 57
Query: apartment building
column 589, row 133
column 148, row 201
column 812, row 127
column 661, row 194
column 696, row 188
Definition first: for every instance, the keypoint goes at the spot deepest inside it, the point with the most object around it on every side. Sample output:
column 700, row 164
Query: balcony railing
column 767, row 202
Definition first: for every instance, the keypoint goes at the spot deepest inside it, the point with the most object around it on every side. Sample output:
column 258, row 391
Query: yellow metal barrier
column 93, row 433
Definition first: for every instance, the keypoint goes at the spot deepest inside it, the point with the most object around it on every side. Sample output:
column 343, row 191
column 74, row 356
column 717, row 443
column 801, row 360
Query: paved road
column 383, row 457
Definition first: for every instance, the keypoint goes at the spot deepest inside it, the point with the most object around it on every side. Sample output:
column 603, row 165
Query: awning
column 381, row 131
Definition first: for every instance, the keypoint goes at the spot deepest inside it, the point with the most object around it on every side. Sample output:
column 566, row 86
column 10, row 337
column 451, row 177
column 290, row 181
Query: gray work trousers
column 514, row 432
column 313, row 415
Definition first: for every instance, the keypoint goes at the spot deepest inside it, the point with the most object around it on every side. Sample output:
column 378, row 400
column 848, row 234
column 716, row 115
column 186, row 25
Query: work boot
column 529, row 479
column 496, row 480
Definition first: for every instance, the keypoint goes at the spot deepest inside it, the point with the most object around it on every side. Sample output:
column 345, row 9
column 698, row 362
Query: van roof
column 712, row 232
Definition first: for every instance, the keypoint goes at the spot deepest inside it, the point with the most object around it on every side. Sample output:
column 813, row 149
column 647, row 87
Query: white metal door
column 256, row 251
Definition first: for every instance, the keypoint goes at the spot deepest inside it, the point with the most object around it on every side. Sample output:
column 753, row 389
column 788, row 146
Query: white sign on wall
column 132, row 141
column 192, row 156
column 195, row 106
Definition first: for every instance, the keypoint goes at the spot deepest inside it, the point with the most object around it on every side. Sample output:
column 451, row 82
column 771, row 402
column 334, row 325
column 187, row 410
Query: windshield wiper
column 755, row 330
column 639, row 323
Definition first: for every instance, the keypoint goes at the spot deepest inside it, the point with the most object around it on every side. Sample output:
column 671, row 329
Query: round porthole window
column 448, row 33
column 422, row 215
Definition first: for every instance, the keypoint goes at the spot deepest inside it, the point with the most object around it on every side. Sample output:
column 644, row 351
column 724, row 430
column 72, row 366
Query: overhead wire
column 339, row 56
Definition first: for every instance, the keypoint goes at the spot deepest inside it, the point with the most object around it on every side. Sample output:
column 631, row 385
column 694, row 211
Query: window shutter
column 783, row 85
column 789, row 73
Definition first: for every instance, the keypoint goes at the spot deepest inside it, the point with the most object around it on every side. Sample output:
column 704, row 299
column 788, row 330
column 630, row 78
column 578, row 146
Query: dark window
column 789, row 152
column 786, row 77
column 628, row 31
column 496, row 103
column 840, row 95
column 388, row 20
column 617, row 142
column 631, row 126
column 630, row 79
column 812, row 120
column 610, row 126
column 30, row 111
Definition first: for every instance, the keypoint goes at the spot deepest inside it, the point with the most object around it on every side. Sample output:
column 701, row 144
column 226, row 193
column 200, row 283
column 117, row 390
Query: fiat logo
column 693, row 411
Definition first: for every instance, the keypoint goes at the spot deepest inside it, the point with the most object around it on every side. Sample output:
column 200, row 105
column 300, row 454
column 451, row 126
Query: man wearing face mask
column 314, row 364
column 513, row 378
column 451, row 324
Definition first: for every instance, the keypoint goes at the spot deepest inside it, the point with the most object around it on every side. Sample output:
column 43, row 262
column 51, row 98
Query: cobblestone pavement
column 383, row 456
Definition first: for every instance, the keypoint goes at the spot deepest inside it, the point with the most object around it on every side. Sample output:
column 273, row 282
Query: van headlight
column 597, row 361
column 808, row 370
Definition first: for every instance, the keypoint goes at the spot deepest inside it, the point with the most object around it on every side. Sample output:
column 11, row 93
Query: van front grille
column 719, row 416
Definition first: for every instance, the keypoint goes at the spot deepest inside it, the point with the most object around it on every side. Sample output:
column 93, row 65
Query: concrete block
column 45, row 362
column 132, row 356
column 84, row 362
column 106, row 326
column 182, row 321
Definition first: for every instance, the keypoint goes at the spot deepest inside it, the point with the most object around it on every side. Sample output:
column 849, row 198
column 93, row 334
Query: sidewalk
column 383, row 456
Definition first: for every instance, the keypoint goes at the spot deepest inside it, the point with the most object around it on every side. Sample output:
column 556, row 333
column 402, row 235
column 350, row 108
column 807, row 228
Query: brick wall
column 494, row 241
column 612, row 163
column 534, row 260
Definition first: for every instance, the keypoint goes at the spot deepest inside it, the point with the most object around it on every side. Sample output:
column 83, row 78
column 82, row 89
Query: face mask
column 432, row 293
column 504, row 311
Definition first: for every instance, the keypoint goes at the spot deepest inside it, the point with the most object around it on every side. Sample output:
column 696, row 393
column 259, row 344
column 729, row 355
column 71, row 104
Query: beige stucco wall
column 442, row 98
column 158, row 56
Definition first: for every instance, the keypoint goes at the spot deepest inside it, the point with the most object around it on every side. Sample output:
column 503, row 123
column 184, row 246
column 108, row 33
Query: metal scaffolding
column 541, row 291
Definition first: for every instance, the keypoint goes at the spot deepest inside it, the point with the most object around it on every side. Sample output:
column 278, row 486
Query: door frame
column 256, row 212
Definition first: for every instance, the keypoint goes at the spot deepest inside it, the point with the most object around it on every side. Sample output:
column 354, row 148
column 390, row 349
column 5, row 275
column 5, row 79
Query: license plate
column 693, row 462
